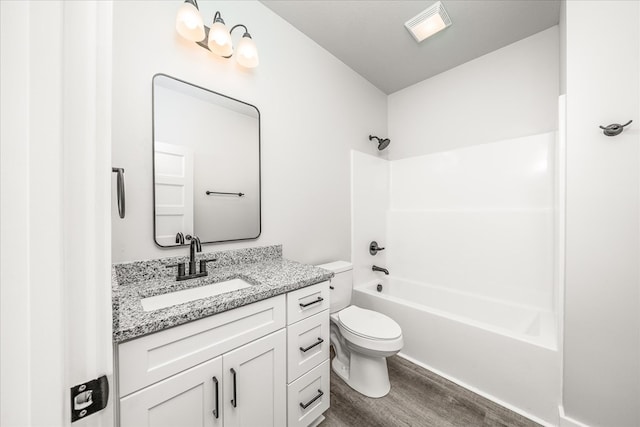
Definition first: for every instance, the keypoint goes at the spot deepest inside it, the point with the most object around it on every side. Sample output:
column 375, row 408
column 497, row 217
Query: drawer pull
column 320, row 299
column 234, row 401
column 318, row 396
column 215, row 411
column 331, row 287
column 305, row 349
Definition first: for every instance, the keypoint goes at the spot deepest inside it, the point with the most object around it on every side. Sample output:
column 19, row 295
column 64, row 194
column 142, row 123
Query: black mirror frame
column 153, row 163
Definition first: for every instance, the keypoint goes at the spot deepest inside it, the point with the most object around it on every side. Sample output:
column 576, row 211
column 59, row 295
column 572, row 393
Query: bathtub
column 505, row 352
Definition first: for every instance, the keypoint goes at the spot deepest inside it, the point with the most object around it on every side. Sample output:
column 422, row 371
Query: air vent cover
column 428, row 22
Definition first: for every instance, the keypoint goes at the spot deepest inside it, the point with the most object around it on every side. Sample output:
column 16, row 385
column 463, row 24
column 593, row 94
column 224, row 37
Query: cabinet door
column 189, row 399
column 255, row 383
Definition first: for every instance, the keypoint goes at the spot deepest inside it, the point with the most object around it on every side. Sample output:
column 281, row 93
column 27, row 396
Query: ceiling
column 369, row 35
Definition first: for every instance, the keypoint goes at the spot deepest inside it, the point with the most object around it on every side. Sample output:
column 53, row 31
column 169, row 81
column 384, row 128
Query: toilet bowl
column 362, row 339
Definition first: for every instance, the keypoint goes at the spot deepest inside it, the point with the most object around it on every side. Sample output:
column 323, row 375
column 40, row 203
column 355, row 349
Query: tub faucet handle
column 374, row 248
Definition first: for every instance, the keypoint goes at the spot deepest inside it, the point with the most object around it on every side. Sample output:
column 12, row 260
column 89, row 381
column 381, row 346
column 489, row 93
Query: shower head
column 382, row 143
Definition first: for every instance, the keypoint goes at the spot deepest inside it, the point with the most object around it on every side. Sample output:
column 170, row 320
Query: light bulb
column 429, row 27
column 220, row 39
column 247, row 53
column 189, row 22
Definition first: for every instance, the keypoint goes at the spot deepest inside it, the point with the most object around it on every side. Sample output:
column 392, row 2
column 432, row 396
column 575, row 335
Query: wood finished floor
column 418, row 397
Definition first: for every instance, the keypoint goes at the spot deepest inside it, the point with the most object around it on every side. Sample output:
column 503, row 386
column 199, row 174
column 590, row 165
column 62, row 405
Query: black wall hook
column 614, row 129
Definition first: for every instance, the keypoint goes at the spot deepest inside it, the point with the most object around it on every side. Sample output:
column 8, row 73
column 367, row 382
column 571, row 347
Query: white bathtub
column 505, row 352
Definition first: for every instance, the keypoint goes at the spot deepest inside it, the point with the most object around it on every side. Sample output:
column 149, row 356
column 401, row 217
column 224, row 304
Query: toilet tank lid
column 337, row 266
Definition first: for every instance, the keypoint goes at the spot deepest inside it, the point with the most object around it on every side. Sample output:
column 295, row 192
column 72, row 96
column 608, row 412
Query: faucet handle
column 181, row 269
column 203, row 264
column 374, row 248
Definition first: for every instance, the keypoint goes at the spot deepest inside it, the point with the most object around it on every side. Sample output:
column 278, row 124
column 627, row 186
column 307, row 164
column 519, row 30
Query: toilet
column 362, row 339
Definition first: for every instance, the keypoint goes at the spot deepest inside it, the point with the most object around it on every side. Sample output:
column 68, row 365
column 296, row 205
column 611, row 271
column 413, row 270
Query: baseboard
column 566, row 421
column 483, row 394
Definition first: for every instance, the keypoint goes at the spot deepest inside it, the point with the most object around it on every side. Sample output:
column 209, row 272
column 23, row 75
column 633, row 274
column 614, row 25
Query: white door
column 188, row 399
column 255, row 383
column 55, row 167
column 174, row 191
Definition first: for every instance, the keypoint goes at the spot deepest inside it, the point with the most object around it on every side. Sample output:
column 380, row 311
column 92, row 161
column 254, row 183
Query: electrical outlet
column 89, row 398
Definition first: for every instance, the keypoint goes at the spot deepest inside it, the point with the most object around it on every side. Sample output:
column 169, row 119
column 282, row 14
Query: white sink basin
column 179, row 297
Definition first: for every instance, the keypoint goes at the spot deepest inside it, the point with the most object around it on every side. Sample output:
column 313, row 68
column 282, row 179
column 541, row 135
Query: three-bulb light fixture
column 217, row 39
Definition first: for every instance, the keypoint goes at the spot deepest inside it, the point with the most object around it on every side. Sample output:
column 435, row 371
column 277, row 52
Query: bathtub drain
column 379, row 288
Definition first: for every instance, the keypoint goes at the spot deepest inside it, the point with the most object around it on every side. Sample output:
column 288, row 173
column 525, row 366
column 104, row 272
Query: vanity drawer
column 307, row 344
column 302, row 409
column 157, row 356
column 307, row 301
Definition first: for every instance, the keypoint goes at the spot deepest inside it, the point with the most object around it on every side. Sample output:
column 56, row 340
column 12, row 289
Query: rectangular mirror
column 206, row 164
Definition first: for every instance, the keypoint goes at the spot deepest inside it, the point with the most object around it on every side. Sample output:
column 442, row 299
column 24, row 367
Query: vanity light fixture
column 216, row 39
column 428, row 22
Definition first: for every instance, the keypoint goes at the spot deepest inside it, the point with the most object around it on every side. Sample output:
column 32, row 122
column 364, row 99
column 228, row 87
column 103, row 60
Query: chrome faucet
column 384, row 270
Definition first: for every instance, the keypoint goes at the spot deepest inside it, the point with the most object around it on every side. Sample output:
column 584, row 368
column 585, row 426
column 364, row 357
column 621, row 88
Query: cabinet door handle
column 234, row 401
column 318, row 396
column 305, row 349
column 215, row 411
column 320, row 299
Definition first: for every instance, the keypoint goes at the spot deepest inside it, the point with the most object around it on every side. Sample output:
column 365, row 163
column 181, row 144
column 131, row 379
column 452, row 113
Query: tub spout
column 384, row 270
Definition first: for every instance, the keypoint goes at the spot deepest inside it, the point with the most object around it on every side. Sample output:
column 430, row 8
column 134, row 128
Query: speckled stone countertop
column 264, row 268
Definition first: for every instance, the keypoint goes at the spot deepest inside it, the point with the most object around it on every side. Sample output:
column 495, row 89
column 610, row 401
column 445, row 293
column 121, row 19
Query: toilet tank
column 342, row 284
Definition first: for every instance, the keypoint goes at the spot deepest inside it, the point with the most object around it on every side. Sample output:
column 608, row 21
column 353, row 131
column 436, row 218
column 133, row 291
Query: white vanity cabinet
column 307, row 355
column 224, row 370
column 265, row 364
column 242, row 388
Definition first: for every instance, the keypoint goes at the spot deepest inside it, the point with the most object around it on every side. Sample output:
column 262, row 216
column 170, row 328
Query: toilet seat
column 369, row 324
column 372, row 346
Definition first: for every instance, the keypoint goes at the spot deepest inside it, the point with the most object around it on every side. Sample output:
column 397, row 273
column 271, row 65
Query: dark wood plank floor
column 418, row 397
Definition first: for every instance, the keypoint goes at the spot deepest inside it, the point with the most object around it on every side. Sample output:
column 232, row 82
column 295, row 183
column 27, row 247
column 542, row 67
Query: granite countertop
column 264, row 268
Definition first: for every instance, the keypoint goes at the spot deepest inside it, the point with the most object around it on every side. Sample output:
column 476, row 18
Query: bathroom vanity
column 254, row 356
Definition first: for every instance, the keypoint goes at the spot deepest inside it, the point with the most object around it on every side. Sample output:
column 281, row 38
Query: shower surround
column 473, row 250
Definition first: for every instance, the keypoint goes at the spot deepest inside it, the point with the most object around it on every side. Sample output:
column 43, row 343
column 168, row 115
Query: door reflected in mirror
column 206, row 161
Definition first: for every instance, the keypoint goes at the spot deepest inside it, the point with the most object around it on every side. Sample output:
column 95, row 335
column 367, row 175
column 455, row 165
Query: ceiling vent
column 428, row 22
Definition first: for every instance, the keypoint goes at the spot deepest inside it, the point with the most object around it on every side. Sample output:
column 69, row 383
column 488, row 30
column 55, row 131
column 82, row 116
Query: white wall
column 314, row 110
column 602, row 299
column 478, row 219
column 509, row 93
column 369, row 205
